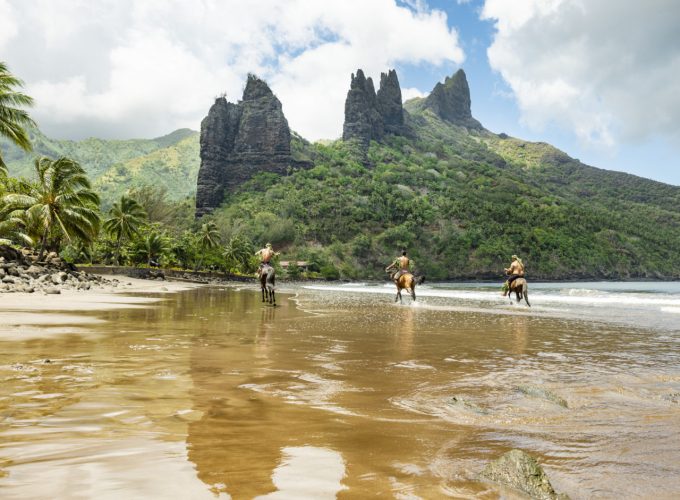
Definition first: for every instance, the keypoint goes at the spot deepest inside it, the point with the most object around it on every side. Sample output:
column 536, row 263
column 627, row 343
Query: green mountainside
column 114, row 166
column 460, row 201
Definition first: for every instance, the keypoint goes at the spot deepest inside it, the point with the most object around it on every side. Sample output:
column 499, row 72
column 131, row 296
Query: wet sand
column 36, row 315
column 209, row 393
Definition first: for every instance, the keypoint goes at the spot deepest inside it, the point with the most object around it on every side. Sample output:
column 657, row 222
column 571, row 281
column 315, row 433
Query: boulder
column 52, row 290
column 35, row 271
column 516, row 469
column 59, row 278
column 7, row 253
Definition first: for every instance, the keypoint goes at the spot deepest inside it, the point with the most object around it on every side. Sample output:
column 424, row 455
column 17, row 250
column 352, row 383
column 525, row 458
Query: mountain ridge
column 460, row 198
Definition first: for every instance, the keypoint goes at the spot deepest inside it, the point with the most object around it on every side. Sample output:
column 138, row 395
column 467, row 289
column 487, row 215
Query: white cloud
column 411, row 92
column 8, row 25
column 130, row 68
column 606, row 70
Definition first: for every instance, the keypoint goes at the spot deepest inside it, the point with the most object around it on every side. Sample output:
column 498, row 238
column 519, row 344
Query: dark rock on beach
column 25, row 274
column 520, row 471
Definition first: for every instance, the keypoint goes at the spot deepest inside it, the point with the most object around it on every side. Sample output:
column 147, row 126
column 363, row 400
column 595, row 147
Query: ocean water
column 653, row 304
column 339, row 392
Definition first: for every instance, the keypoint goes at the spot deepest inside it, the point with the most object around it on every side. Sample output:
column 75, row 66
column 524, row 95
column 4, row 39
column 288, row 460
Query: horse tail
column 525, row 293
column 420, row 280
column 271, row 278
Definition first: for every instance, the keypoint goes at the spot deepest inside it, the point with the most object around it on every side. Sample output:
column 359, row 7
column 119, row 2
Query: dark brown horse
column 519, row 286
column 267, row 282
column 407, row 282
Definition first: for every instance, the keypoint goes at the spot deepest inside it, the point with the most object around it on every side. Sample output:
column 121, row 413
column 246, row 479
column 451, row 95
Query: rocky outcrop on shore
column 20, row 271
column 240, row 140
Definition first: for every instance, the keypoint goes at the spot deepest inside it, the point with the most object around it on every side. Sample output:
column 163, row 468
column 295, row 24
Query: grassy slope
column 115, row 165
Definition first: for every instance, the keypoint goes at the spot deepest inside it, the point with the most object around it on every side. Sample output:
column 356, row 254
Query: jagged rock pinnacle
column 451, row 101
column 369, row 116
column 239, row 140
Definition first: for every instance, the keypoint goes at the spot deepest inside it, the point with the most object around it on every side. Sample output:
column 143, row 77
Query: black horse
column 267, row 282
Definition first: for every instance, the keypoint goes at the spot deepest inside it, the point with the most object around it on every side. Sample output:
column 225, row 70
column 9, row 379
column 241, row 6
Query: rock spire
column 239, row 140
column 451, row 101
column 369, row 116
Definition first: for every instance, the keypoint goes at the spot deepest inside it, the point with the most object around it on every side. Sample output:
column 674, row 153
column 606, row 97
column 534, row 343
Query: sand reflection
column 308, row 472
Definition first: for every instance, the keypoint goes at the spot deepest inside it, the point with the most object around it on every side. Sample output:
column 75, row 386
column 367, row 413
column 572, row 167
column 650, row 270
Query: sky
column 597, row 79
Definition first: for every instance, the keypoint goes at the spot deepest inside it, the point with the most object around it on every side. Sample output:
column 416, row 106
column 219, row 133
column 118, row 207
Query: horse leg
column 263, row 294
column 273, row 298
column 526, row 296
column 413, row 293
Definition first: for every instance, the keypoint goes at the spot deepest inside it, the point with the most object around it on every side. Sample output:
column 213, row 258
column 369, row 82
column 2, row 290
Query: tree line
column 57, row 210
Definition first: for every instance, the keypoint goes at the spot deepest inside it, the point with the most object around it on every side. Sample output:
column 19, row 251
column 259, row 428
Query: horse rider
column 516, row 270
column 266, row 254
column 401, row 265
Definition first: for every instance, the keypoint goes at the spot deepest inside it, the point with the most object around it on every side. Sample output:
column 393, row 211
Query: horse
column 519, row 286
column 407, row 282
column 267, row 282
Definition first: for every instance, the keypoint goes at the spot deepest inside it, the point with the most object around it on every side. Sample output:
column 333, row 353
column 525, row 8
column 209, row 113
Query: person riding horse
column 403, row 277
column 266, row 254
column 401, row 265
column 516, row 270
column 267, row 274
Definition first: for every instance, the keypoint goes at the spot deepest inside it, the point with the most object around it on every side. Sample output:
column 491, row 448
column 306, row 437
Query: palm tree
column 153, row 246
column 208, row 238
column 124, row 220
column 238, row 253
column 13, row 224
column 61, row 200
column 13, row 119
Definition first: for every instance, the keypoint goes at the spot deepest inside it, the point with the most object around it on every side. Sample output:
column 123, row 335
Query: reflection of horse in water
column 407, row 282
column 267, row 282
column 519, row 286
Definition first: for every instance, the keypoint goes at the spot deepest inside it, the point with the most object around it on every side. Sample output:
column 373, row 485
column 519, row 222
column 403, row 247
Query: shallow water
column 338, row 392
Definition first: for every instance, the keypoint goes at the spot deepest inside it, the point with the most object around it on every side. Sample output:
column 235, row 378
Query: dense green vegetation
column 460, row 202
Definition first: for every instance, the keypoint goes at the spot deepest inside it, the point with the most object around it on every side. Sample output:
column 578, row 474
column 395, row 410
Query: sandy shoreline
column 33, row 315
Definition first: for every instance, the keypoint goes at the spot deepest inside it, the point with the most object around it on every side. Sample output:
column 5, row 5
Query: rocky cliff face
column 369, row 116
column 451, row 101
column 389, row 103
column 362, row 119
column 239, row 140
